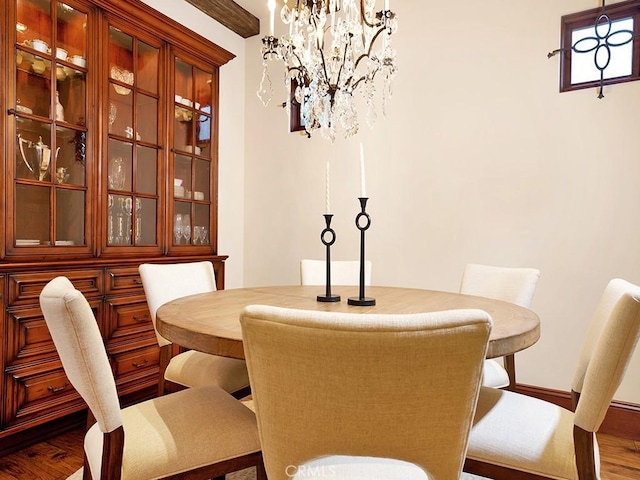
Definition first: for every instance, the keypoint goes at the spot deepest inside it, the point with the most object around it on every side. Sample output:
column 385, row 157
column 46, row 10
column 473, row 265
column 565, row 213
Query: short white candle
column 272, row 10
column 363, row 187
column 327, row 194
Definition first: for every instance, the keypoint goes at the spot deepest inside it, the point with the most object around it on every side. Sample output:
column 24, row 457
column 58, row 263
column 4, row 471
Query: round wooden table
column 210, row 322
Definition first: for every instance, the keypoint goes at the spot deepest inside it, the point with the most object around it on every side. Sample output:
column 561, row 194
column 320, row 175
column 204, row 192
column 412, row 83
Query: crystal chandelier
column 331, row 53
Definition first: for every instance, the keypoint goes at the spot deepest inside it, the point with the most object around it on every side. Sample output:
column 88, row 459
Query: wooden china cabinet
column 109, row 140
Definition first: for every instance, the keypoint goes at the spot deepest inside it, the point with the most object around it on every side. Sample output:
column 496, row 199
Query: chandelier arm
column 368, row 54
column 344, row 59
column 364, row 18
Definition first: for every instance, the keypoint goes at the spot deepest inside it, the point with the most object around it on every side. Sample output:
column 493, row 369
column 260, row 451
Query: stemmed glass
column 177, row 228
column 186, row 227
column 198, row 234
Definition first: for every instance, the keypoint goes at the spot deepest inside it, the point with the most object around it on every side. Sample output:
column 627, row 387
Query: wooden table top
column 210, row 322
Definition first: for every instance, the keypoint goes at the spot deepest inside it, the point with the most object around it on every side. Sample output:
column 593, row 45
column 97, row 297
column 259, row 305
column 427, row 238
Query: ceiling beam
column 231, row 15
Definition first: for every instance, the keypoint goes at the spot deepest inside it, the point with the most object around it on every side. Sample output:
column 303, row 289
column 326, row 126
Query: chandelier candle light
column 328, row 52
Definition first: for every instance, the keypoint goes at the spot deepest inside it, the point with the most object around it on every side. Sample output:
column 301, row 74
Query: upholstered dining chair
column 517, row 436
column 165, row 282
column 353, row 385
column 510, row 284
column 194, row 433
column 343, row 272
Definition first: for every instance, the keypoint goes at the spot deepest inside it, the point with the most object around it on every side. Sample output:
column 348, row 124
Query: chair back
column 77, row 338
column 391, row 386
column 509, row 284
column 606, row 352
column 165, row 282
column 343, row 272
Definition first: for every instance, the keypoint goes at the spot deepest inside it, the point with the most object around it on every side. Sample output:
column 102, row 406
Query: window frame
column 588, row 18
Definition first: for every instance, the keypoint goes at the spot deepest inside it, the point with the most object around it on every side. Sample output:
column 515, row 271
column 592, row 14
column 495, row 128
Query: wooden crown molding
column 231, row 15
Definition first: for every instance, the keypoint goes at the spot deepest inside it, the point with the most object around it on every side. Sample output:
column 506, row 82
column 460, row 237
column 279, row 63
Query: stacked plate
column 22, row 242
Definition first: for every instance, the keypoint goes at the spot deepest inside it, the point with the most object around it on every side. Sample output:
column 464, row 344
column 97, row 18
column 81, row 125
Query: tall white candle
column 386, row 4
column 327, row 192
column 363, row 187
column 272, row 10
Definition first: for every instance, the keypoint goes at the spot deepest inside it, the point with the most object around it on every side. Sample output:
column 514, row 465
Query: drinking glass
column 198, row 234
column 177, row 228
column 186, row 227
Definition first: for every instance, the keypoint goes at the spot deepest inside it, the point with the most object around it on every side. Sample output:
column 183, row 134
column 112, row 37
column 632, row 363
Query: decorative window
column 600, row 47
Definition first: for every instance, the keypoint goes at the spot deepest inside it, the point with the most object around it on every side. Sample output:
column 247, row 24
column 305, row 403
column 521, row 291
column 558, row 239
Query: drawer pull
column 141, row 364
column 140, row 319
column 53, row 389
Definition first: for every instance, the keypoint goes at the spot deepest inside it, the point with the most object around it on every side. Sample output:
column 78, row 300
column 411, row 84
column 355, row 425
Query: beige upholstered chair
column 364, row 385
column 514, row 433
column 165, row 282
column 343, row 272
column 509, row 284
column 204, row 432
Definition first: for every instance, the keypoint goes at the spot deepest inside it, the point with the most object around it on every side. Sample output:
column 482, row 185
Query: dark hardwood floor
column 59, row 457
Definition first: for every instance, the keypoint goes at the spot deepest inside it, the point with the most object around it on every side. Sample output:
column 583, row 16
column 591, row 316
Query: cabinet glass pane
column 182, row 226
column 182, row 181
column 33, row 211
column 147, row 171
column 147, row 67
column 202, row 178
column 119, row 220
column 70, row 160
column 184, row 82
column 69, row 217
column 33, row 84
column 34, row 24
column 71, row 44
column 145, row 226
column 147, row 118
column 71, row 95
column 201, row 224
column 119, row 170
column 33, row 150
column 120, row 111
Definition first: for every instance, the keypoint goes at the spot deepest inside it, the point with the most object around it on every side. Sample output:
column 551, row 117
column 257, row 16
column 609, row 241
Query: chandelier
column 330, row 53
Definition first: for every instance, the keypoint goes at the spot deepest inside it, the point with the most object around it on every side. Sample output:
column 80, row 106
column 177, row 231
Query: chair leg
column 510, row 367
column 261, row 473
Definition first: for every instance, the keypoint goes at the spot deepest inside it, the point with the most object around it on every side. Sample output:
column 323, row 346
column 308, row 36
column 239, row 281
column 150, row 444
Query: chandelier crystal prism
column 334, row 49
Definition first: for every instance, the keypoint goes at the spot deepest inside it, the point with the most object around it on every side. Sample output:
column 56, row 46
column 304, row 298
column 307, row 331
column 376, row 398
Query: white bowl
column 177, row 182
column 79, row 60
column 198, row 195
column 61, row 53
column 39, row 45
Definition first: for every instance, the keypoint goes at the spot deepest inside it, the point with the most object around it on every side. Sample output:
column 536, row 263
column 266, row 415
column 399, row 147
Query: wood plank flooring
column 59, row 457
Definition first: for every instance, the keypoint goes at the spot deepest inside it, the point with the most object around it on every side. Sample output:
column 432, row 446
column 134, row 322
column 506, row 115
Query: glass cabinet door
column 192, row 154
column 50, row 170
column 132, row 173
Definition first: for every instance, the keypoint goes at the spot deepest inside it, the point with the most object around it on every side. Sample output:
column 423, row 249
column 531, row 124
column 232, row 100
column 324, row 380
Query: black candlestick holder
column 331, row 234
column 363, row 222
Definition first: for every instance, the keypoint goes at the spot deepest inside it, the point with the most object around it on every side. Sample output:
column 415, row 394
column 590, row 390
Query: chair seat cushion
column 178, row 432
column 197, row 369
column 494, row 375
column 343, row 467
column 523, row 433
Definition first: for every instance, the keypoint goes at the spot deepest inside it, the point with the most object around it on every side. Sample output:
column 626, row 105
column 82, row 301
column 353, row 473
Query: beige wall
column 480, row 159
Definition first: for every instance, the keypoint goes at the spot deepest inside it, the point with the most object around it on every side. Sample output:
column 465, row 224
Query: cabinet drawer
column 142, row 361
column 128, row 317
column 36, row 393
column 28, row 337
column 25, row 288
column 124, row 281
